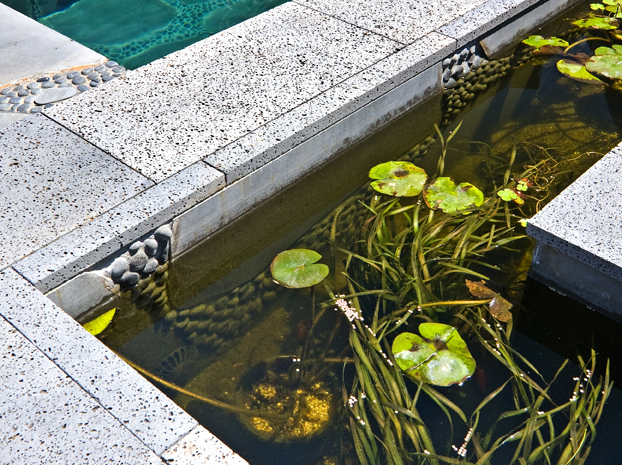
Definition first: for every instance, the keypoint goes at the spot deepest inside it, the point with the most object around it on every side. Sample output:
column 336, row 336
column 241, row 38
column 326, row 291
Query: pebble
column 151, row 266
column 151, row 246
column 55, row 95
column 5, row 91
column 60, row 80
column 135, row 247
column 36, row 110
column 92, row 76
column 117, row 74
column 107, row 77
column 83, row 88
column 78, row 80
column 49, row 105
column 118, row 69
column 129, row 279
column 33, row 85
column 5, row 106
column 65, row 84
column 446, row 74
column 58, row 76
column 73, row 74
column 15, row 100
column 464, row 53
column 451, row 82
column 48, row 85
column 99, row 68
column 23, row 93
column 163, row 233
column 138, row 261
column 11, row 94
column 446, row 62
column 23, row 108
column 86, row 71
column 111, row 64
column 457, row 71
column 43, row 79
column 35, row 91
column 94, row 83
column 4, row 99
column 29, row 99
column 119, row 266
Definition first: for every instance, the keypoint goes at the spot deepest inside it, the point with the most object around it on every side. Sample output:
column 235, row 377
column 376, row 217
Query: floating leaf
column 499, row 307
column 444, row 195
column 439, row 356
column 511, row 194
column 398, row 178
column 100, row 323
column 576, row 71
column 523, row 223
column 614, row 6
column 296, row 268
column 597, row 6
column 539, row 41
column 607, row 62
column 523, row 184
column 597, row 22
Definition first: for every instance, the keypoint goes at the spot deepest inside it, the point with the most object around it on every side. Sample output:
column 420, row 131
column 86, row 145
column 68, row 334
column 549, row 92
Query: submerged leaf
column 100, row 323
column 444, row 195
column 398, row 178
column 597, row 22
column 539, row 41
column 607, row 62
column 296, row 268
column 576, row 71
column 499, row 307
column 439, row 356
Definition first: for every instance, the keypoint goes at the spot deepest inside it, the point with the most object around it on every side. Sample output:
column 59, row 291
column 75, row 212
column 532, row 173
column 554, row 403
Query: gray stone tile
column 46, row 418
column 177, row 110
column 482, row 19
column 142, row 408
column 106, row 234
column 8, row 117
column 402, row 20
column 283, row 133
column 46, row 50
column 201, row 447
column 53, row 182
column 584, row 220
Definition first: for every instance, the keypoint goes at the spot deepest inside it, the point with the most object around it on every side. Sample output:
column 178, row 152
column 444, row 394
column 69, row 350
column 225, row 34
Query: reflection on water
column 217, row 325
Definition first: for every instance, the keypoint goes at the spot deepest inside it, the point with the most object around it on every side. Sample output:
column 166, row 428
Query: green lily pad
column 597, row 22
column 576, row 71
column 614, row 6
column 539, row 41
column 100, row 323
column 444, row 195
column 509, row 195
column 607, row 62
column 296, row 268
column 439, row 356
column 398, row 178
column 597, row 6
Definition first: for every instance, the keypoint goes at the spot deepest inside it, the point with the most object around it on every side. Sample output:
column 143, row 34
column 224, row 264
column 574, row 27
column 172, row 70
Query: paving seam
column 104, row 408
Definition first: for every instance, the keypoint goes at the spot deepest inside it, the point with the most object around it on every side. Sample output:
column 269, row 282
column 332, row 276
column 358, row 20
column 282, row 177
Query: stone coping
column 206, row 130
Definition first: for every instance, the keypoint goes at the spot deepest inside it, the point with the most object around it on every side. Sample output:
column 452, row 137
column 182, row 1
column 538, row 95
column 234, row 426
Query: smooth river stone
column 55, row 95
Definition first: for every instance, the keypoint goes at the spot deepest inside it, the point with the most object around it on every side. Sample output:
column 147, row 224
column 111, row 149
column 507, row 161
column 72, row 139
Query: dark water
column 222, row 324
column 137, row 32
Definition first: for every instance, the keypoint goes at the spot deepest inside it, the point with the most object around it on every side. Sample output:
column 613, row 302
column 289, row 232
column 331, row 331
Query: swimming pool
column 138, row 32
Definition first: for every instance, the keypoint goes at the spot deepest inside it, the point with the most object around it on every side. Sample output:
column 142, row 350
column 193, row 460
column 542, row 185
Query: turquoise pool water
column 137, row 32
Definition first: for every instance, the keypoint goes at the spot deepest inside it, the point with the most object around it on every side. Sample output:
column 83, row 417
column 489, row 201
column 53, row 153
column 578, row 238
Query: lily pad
column 607, row 62
column 614, row 6
column 439, row 356
column 398, row 178
column 444, row 195
column 597, row 22
column 296, row 268
column 576, row 71
column 597, row 6
column 499, row 307
column 509, row 195
column 100, row 323
column 539, row 41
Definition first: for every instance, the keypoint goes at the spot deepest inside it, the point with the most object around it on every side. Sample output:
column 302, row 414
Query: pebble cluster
column 142, row 259
column 461, row 64
column 32, row 97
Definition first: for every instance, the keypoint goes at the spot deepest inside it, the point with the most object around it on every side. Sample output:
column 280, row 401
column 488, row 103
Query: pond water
column 138, row 32
column 219, row 336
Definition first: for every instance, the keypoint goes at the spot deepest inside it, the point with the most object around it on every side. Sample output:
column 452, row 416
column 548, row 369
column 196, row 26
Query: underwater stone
column 129, row 279
column 163, row 255
column 151, row 246
column 23, row 93
column 151, row 266
column 450, row 83
column 446, row 74
column 163, row 233
column 48, row 85
column 135, row 247
column 119, row 266
column 73, row 74
column 465, row 69
column 78, row 80
column 82, row 88
column 457, row 71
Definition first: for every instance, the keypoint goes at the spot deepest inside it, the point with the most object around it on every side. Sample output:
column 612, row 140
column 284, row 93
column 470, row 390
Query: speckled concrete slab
column 402, row 20
column 177, row 110
column 74, row 252
column 55, row 181
column 201, row 447
column 305, row 121
column 143, row 409
column 46, row 418
column 484, row 18
column 28, row 48
column 584, row 220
